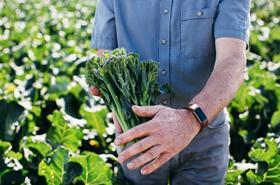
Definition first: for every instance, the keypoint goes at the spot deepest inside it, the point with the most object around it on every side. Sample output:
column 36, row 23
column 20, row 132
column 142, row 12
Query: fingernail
column 144, row 172
column 121, row 159
column 134, row 107
column 130, row 165
column 117, row 141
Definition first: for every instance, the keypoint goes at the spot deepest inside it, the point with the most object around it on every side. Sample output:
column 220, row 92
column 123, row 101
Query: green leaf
column 10, row 113
column 57, row 169
column 273, row 173
column 95, row 170
column 264, row 153
column 61, row 133
column 95, row 117
column 252, row 177
column 233, row 175
column 41, row 147
column 269, row 171
column 275, row 120
column 59, row 87
column 14, row 155
column 235, row 170
column 4, row 145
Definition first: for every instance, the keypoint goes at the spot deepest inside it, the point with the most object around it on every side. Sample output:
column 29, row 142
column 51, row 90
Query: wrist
column 190, row 119
column 199, row 114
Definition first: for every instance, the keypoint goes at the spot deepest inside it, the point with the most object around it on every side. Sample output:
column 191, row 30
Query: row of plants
column 53, row 132
column 255, row 111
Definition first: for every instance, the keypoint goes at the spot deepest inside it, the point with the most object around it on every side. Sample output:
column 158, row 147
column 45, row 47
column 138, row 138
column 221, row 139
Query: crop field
column 53, row 132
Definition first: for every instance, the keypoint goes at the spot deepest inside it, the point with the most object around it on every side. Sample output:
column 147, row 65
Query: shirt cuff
column 98, row 43
column 242, row 35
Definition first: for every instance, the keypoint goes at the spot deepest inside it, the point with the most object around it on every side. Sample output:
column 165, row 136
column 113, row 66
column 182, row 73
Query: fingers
column 136, row 148
column 146, row 111
column 137, row 132
column 144, row 158
column 117, row 124
column 100, row 52
column 155, row 164
column 94, row 91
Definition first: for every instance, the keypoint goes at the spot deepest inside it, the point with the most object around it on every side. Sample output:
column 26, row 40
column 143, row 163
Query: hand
column 94, row 91
column 168, row 133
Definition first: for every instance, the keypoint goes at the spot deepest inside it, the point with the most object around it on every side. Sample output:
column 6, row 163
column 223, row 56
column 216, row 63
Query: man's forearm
column 226, row 78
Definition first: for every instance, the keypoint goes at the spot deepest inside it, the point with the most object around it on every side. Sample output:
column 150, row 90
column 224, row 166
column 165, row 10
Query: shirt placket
column 164, row 47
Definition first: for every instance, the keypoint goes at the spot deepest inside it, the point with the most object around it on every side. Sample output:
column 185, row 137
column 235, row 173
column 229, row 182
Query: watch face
column 201, row 116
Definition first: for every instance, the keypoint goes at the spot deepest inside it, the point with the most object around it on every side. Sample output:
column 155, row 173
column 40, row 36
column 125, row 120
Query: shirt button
column 163, row 41
column 199, row 13
column 163, row 72
column 165, row 11
column 164, row 102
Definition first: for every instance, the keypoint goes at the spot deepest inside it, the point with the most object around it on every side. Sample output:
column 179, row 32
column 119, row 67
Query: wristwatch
column 199, row 114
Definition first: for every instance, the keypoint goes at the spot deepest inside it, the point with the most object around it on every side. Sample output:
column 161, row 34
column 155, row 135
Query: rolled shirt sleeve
column 233, row 19
column 104, row 27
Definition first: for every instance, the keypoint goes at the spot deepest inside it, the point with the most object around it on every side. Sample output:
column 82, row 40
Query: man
column 200, row 45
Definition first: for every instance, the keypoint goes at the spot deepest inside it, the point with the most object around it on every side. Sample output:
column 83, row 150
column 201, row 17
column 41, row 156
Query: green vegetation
column 255, row 111
column 52, row 131
column 124, row 81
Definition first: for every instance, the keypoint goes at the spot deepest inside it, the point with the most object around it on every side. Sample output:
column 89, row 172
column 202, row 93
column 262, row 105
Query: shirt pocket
column 196, row 32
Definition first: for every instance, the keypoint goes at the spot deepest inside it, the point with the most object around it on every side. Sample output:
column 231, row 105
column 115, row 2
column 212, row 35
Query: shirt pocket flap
column 198, row 14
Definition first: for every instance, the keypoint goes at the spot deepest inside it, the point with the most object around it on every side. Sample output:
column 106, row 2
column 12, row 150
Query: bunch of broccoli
column 123, row 80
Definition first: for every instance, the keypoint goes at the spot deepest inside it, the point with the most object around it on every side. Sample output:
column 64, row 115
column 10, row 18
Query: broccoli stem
column 120, row 119
column 117, row 105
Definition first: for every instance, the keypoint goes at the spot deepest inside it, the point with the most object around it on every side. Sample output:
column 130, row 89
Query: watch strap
column 199, row 115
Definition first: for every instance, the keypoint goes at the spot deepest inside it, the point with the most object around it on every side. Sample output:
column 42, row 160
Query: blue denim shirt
column 180, row 34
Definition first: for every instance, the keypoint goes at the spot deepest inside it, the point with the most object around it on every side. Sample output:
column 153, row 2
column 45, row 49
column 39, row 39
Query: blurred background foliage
column 53, row 132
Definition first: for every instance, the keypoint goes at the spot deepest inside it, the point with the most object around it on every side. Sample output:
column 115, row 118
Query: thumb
column 146, row 111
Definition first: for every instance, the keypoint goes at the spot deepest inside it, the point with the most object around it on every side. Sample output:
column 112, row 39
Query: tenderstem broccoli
column 123, row 80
